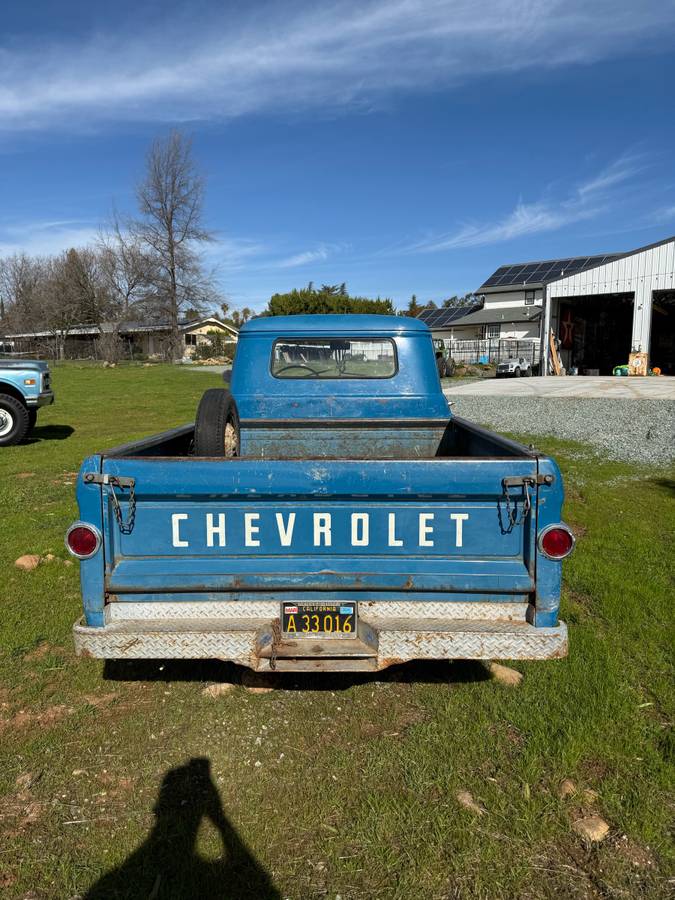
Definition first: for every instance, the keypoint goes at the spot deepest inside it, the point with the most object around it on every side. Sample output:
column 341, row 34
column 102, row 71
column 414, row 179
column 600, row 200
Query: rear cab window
column 334, row 358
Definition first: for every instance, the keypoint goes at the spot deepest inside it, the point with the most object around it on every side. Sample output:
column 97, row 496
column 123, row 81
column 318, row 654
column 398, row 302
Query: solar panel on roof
column 440, row 318
column 547, row 270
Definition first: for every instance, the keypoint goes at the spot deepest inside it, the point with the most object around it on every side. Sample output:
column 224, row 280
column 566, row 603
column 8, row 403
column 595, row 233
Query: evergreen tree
column 329, row 298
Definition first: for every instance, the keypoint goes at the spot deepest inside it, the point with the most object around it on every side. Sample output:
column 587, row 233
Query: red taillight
column 556, row 541
column 83, row 540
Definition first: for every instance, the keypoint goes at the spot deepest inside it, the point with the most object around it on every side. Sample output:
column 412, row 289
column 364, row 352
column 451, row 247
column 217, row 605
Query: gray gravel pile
column 640, row 431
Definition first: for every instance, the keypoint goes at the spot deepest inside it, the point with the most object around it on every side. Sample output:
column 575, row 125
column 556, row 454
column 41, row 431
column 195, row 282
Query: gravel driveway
column 641, row 431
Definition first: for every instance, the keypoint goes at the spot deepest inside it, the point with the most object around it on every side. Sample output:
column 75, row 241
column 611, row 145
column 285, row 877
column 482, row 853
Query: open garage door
column 662, row 353
column 595, row 332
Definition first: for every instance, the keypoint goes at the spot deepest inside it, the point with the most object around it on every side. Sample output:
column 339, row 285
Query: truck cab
column 327, row 513
column 25, row 386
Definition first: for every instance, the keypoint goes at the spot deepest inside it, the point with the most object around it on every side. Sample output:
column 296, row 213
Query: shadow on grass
column 416, row 672
column 49, row 433
column 167, row 864
column 667, row 483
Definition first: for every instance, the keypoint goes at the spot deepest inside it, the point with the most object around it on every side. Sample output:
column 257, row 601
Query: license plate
column 326, row 619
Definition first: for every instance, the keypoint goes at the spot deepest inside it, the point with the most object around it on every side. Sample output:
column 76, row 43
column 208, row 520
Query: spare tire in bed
column 217, row 425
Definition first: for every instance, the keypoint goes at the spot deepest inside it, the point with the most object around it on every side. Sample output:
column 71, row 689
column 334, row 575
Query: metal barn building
column 599, row 309
column 603, row 313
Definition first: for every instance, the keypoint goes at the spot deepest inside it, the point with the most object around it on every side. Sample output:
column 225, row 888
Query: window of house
column 491, row 331
column 191, row 340
column 529, row 298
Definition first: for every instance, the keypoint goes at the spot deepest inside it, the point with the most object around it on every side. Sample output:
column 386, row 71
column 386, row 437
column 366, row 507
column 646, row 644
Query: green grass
column 355, row 794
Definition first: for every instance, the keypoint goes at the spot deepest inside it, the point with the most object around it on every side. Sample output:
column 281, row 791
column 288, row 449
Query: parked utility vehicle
column 514, row 367
column 328, row 513
column 25, row 386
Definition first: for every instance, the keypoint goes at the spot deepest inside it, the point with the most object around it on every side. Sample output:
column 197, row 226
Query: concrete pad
column 605, row 386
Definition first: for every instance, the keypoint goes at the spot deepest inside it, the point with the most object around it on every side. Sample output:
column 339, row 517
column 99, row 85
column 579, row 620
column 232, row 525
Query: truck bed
column 347, row 439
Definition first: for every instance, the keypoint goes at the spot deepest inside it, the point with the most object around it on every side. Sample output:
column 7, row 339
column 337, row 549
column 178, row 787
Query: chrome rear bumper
column 389, row 633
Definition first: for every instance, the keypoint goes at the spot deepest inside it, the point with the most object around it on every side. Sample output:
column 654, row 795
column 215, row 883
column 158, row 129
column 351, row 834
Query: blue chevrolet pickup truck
column 25, row 386
column 329, row 513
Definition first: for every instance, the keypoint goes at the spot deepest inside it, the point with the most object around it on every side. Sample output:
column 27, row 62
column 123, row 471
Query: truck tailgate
column 265, row 527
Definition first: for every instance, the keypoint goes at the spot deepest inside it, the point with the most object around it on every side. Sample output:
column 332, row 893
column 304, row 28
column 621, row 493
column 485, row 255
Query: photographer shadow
column 167, row 864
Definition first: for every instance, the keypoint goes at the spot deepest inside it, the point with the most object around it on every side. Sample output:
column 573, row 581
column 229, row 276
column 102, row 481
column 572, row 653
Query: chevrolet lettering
column 327, row 513
column 276, row 530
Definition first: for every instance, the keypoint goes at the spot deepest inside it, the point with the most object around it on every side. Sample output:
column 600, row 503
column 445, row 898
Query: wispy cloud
column 44, row 238
column 586, row 201
column 225, row 254
column 333, row 54
column 322, row 252
column 232, row 253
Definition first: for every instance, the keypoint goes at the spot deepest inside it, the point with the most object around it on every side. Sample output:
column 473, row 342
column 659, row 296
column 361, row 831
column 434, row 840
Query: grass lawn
column 329, row 786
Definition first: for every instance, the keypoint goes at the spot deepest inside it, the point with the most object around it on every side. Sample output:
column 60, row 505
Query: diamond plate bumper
column 389, row 633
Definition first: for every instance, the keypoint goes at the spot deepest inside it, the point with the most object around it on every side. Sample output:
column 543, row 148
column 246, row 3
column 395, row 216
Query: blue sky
column 403, row 147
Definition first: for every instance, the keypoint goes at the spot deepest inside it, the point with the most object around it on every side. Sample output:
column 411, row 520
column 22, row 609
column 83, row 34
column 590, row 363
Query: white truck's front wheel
column 13, row 420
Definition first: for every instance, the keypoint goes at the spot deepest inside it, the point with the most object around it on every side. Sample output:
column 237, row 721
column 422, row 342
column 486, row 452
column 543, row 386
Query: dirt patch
column 514, row 737
column 44, row 718
column 635, row 854
column 395, row 726
column 594, row 770
column 5, row 701
column 115, row 787
column 100, row 701
column 25, row 474
column 43, row 649
column 21, row 809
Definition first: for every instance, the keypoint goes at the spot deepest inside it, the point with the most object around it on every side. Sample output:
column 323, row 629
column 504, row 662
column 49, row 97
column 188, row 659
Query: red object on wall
column 567, row 329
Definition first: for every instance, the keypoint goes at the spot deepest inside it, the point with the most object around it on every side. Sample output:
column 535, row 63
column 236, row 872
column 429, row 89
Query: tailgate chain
column 512, row 511
column 524, row 482
column 121, row 482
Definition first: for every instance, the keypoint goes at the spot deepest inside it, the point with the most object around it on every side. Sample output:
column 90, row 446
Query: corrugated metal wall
column 657, row 266
column 640, row 273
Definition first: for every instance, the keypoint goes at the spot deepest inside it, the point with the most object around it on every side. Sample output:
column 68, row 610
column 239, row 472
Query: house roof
column 441, row 318
column 130, row 327
column 494, row 316
column 188, row 325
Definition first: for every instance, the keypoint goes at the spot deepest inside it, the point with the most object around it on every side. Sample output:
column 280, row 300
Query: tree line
column 150, row 267
column 147, row 267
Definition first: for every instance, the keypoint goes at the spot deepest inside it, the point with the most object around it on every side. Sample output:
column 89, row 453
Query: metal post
column 546, row 327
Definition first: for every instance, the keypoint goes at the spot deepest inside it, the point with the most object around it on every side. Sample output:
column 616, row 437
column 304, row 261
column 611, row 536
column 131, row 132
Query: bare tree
column 60, row 301
column 20, row 280
column 126, row 269
column 170, row 200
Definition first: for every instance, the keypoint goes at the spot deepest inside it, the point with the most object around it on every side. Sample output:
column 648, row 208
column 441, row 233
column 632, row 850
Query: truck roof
column 36, row 365
column 353, row 324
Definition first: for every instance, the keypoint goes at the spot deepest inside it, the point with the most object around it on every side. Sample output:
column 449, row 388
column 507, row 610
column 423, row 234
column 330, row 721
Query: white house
column 143, row 339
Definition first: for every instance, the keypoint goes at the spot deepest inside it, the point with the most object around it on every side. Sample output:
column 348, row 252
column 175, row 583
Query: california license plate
column 323, row 619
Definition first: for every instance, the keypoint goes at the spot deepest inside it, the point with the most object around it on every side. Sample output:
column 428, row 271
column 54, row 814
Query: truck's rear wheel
column 13, row 420
column 217, row 425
